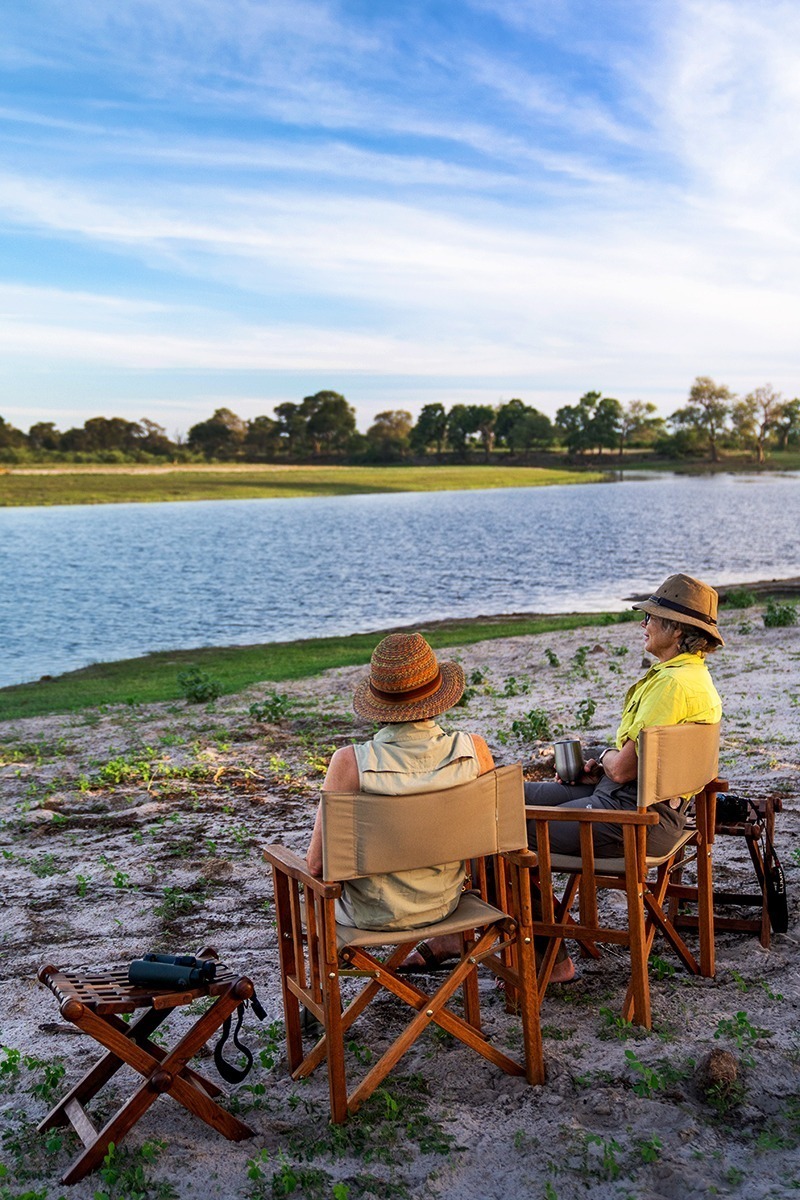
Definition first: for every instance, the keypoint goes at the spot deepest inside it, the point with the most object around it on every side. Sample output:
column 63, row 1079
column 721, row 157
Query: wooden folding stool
column 93, row 1001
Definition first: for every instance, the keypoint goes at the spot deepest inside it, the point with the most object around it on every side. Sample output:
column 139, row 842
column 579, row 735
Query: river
column 91, row 584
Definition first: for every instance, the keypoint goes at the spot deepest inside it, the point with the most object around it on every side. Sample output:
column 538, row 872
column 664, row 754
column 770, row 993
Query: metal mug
column 569, row 759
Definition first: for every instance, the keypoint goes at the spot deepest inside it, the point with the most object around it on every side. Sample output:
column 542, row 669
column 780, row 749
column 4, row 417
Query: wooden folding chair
column 674, row 761
column 94, row 1002
column 365, row 834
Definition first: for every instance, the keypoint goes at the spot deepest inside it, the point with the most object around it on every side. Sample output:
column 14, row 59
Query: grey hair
column 693, row 640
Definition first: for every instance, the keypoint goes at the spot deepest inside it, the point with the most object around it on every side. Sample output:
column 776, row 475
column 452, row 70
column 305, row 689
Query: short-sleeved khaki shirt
column 671, row 693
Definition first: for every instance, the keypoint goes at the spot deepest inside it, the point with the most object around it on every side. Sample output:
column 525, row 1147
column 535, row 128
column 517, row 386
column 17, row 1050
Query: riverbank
column 98, row 484
column 131, row 828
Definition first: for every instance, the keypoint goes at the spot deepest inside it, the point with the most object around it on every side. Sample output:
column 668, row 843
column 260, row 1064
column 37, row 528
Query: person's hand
column 592, row 771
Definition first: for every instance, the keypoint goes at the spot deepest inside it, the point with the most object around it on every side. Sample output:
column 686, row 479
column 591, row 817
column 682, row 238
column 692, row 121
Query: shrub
column 778, row 615
column 740, row 598
column 585, row 711
column 273, row 708
column 198, row 687
column 535, row 724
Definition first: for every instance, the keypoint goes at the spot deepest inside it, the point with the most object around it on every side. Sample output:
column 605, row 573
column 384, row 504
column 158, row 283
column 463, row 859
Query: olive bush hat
column 406, row 682
column 681, row 598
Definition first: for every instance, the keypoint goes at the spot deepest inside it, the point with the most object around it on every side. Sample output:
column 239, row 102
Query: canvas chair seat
column 471, row 913
column 616, row 866
column 675, row 760
column 364, row 834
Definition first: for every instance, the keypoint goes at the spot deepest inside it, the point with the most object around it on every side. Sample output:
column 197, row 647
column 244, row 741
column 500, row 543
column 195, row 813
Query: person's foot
column 429, row 956
column 563, row 971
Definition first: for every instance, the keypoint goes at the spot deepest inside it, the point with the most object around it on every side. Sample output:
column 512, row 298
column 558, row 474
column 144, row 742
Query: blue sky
column 240, row 202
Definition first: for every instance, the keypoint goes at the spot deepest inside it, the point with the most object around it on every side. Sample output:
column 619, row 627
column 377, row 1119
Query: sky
column 242, row 202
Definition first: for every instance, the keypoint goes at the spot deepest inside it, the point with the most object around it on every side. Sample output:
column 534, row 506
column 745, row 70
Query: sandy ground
column 135, row 828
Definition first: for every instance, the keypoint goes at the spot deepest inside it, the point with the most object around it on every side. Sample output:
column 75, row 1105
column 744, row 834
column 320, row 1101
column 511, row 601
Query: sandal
column 431, row 961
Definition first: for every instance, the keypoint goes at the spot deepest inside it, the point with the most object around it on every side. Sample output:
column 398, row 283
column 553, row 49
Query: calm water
column 89, row 584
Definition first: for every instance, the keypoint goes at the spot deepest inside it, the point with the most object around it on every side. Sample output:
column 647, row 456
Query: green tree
column 388, row 436
column 261, row 439
column 755, row 417
column 430, row 429
column 461, row 424
column 44, row 436
column 522, row 428
column 291, row 429
column 639, row 422
column 330, row 422
column 153, row 439
column 11, row 439
column 221, row 436
column 787, row 424
column 593, row 422
column 706, row 413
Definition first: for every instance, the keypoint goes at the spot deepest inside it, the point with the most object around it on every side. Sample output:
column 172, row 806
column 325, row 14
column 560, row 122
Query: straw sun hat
column 681, row 598
column 406, row 682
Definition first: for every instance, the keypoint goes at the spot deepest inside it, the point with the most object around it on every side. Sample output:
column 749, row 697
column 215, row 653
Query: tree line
column 322, row 427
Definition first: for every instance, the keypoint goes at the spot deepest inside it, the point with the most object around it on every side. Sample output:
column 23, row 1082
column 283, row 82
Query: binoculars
column 171, row 971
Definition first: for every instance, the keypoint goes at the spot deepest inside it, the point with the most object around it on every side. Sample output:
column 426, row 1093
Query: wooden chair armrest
column 283, row 859
column 522, row 858
column 609, row 816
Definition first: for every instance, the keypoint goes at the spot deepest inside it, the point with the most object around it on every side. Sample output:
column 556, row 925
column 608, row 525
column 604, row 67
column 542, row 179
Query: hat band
column 682, row 608
column 420, row 693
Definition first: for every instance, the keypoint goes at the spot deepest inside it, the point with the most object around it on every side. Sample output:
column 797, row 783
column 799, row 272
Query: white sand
column 587, row 1133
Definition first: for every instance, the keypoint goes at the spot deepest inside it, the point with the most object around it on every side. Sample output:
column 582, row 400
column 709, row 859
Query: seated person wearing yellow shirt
column 680, row 628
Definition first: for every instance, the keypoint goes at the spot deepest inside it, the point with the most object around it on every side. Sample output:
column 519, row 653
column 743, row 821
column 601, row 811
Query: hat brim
column 656, row 610
column 446, row 695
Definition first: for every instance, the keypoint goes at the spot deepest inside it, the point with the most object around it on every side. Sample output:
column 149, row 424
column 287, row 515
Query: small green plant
column 124, row 1172
column 650, row 1148
column 534, row 725
column 552, row 657
column 516, row 687
column 741, row 1031
column 477, row 676
column 660, row 968
column 652, row 1080
column 724, row 1097
column 197, row 686
column 273, row 708
column 584, row 712
column 779, row 615
column 616, row 1026
column 176, row 903
column 740, row 598
column 82, row 884
column 610, row 1168
column 579, row 659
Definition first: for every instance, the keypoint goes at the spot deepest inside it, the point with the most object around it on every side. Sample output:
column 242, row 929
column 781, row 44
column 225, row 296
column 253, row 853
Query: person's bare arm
column 621, row 766
column 484, row 754
column 341, row 776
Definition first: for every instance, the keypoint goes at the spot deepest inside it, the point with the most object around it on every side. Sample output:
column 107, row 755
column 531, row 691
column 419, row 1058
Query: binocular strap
column 228, row 1072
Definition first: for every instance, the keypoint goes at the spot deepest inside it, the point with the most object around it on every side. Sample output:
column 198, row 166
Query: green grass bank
column 35, row 486
column 154, row 677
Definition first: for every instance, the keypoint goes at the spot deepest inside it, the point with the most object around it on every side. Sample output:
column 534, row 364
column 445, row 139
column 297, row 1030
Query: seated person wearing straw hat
column 405, row 690
column 680, row 629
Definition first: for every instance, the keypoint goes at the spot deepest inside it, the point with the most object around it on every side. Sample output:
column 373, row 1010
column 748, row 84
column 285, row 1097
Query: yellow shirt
column 671, row 693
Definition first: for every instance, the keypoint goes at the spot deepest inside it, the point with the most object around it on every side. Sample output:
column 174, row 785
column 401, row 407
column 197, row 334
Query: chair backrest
column 676, row 760
column 368, row 834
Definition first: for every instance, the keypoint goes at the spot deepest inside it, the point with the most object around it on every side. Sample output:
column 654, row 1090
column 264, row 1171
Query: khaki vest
column 415, row 756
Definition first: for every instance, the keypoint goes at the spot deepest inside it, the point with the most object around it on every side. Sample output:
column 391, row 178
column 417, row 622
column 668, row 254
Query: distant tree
column 291, row 429
column 11, row 439
column 594, row 422
column 756, row 416
column 521, row 428
column 787, row 424
column 330, row 423
column 221, row 436
column 388, row 436
column 111, row 433
column 430, row 429
column 153, row 439
column 706, row 413
column 483, row 417
column 44, row 436
column 639, row 422
column 461, row 424
column 261, row 439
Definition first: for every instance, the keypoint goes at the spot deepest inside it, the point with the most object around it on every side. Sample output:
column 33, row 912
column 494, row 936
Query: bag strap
column 228, row 1072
